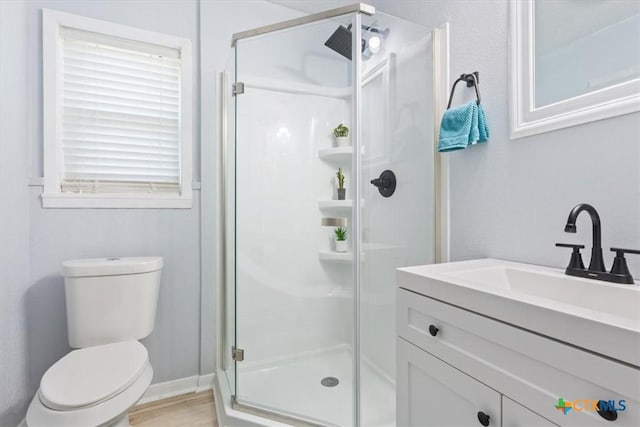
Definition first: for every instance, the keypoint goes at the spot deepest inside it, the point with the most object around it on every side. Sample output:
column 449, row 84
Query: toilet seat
column 92, row 375
column 108, row 413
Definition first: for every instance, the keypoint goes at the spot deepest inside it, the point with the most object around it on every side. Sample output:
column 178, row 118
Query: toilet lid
column 92, row 375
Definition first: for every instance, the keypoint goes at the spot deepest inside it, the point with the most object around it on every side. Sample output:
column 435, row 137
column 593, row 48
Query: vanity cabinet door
column 516, row 415
column 432, row 393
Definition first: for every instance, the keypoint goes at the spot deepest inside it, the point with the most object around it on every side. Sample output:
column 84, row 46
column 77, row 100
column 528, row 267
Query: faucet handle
column 620, row 262
column 570, row 245
column 576, row 258
column 620, row 251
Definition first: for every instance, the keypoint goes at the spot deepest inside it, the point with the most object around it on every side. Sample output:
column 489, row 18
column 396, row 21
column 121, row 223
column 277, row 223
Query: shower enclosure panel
column 294, row 293
column 397, row 122
column 314, row 328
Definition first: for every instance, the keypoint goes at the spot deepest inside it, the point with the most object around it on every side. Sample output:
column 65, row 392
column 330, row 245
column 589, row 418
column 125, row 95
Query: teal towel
column 459, row 127
column 483, row 128
column 463, row 126
column 474, row 132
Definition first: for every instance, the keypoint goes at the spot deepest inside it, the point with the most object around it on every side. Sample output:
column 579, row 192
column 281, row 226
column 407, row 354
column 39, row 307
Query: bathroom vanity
column 490, row 342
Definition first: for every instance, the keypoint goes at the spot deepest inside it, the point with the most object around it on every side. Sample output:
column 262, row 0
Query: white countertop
column 599, row 316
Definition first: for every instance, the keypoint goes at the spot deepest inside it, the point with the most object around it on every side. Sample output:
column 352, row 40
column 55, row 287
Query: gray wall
column 14, row 208
column 510, row 199
column 34, row 241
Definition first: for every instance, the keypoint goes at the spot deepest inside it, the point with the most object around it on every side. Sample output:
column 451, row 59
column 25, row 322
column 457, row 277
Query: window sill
column 116, row 201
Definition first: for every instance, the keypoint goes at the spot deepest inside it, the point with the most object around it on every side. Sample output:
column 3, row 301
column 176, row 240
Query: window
column 117, row 115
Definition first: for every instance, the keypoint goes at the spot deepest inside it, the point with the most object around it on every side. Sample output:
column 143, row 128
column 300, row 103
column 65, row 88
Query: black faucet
column 597, row 263
column 619, row 272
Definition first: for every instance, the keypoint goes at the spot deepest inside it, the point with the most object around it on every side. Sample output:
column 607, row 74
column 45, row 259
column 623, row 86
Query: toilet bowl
column 111, row 303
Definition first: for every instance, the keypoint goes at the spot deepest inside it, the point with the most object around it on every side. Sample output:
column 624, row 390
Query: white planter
column 341, row 246
column 342, row 141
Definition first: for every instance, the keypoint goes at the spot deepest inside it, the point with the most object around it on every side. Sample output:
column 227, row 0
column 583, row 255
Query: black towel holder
column 472, row 80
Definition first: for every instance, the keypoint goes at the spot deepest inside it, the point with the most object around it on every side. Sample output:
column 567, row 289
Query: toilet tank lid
column 111, row 266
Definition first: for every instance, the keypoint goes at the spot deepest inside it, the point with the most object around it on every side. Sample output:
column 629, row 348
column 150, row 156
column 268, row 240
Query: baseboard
column 164, row 390
column 205, row 382
column 219, row 401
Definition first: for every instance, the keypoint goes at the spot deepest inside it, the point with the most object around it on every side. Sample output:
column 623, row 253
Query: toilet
column 111, row 304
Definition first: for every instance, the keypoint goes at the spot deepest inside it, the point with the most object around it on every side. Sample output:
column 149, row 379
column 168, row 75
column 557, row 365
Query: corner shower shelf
column 331, row 256
column 336, row 205
column 336, row 154
column 347, row 257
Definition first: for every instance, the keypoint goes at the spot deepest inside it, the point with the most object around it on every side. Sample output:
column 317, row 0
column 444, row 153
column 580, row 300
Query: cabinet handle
column 433, row 330
column 606, row 414
column 483, row 418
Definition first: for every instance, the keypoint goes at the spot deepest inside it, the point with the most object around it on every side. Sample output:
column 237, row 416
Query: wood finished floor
column 187, row 410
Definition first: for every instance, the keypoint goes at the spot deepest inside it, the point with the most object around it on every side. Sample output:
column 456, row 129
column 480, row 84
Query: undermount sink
column 616, row 300
column 599, row 316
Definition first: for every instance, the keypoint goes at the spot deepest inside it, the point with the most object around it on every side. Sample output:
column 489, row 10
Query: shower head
column 340, row 41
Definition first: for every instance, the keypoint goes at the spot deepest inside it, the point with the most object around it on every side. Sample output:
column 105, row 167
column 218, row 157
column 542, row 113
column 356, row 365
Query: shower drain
column 329, row 381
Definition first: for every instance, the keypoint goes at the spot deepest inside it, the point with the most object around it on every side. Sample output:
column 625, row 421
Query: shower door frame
column 356, row 10
column 367, row 9
column 441, row 183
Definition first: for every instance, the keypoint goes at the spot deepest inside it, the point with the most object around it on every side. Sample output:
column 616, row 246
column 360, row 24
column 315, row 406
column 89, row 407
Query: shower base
column 294, row 387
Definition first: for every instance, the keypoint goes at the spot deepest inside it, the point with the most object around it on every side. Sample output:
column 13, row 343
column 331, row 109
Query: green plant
column 341, row 234
column 341, row 130
column 340, row 176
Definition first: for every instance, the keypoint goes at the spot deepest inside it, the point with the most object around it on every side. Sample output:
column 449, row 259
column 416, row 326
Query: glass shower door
column 294, row 292
column 398, row 182
column 315, row 326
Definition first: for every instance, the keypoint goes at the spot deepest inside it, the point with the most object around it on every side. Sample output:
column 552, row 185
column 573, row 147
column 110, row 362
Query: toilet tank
column 111, row 299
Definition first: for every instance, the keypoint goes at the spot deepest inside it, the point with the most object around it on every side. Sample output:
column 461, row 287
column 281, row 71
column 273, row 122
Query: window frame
column 53, row 196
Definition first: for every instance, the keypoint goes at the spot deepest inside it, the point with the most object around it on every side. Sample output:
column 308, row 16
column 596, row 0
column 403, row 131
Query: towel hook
column 472, row 80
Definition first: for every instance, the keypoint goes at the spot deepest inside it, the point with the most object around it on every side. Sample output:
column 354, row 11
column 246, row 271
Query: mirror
column 572, row 62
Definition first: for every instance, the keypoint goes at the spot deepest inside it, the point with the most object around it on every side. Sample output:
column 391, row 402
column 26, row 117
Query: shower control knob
column 483, row 418
column 433, row 330
column 386, row 183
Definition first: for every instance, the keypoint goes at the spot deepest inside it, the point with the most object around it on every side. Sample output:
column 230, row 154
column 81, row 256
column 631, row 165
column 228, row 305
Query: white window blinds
column 120, row 115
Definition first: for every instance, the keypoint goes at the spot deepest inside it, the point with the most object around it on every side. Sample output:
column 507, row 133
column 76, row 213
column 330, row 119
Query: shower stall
column 309, row 332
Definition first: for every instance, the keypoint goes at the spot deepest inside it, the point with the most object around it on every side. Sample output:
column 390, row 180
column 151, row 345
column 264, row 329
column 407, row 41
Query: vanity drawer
column 528, row 368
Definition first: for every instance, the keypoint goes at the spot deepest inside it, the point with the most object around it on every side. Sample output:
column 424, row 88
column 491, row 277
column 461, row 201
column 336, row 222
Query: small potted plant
column 341, row 239
column 341, row 132
column 342, row 192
